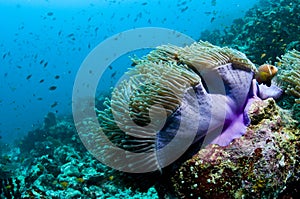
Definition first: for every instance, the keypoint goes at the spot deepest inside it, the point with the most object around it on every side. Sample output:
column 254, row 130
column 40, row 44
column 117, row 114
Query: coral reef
column 56, row 165
column 52, row 163
column 10, row 188
column 289, row 73
column 266, row 32
column 261, row 164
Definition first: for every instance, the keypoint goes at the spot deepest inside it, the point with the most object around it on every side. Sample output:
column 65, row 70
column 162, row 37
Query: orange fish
column 265, row 74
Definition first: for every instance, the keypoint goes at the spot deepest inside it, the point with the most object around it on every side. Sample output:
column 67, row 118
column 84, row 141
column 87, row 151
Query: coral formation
column 258, row 165
column 56, row 165
column 266, row 32
column 289, row 73
column 10, row 188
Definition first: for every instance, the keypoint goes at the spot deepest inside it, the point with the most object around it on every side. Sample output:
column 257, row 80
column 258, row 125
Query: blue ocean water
column 44, row 42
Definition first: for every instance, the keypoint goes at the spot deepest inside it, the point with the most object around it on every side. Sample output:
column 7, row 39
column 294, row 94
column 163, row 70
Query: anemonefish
column 265, row 74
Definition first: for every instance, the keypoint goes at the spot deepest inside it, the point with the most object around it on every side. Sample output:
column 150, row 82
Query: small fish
column 212, row 19
column 42, row 80
column 57, row 77
column 52, row 88
column 183, row 3
column 213, row 2
column 279, row 63
column 28, row 77
column 265, row 74
column 50, row 13
column 54, row 104
column 184, row 9
column 113, row 15
column 263, row 55
column 114, row 74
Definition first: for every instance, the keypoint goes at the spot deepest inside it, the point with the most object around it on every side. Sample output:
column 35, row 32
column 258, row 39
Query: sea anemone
column 289, row 73
column 198, row 94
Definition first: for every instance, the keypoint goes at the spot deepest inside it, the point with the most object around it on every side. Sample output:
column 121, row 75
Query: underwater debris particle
column 145, row 3
column 52, row 88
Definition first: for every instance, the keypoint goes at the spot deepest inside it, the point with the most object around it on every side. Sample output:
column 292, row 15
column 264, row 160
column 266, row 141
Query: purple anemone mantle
column 219, row 117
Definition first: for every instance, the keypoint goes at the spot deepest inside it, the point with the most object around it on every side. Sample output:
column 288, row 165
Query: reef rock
column 260, row 164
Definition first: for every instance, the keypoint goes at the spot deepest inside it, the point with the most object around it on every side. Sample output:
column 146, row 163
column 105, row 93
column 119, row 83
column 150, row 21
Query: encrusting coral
column 289, row 73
